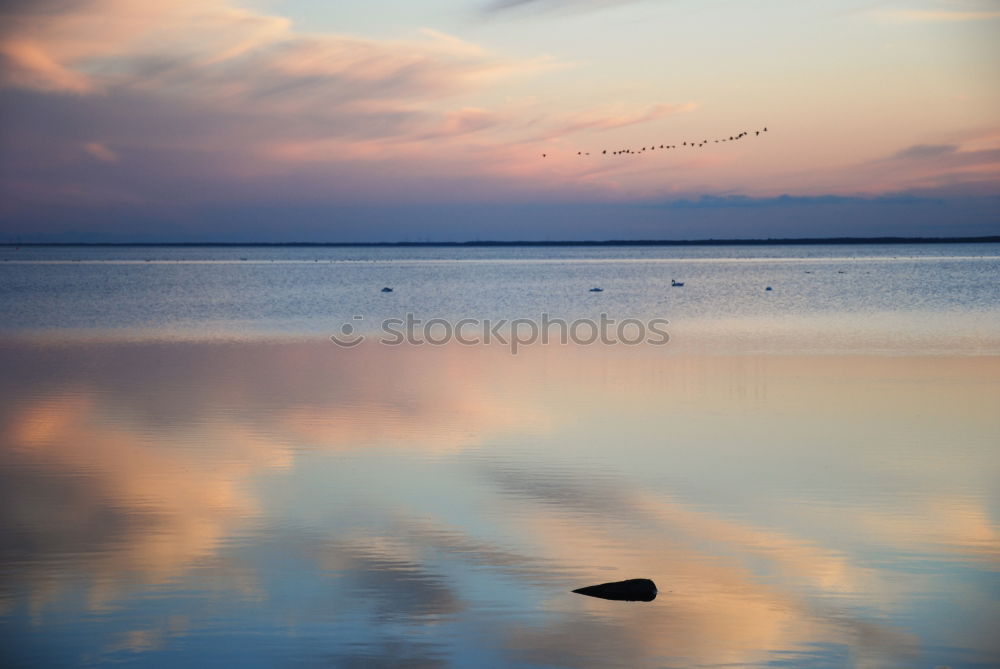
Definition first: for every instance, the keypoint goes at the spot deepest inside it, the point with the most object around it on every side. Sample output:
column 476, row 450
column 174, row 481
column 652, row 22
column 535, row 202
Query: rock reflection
column 721, row 611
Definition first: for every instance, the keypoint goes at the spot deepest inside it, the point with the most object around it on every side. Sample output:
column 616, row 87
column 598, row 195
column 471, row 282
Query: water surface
column 850, row 299
column 195, row 486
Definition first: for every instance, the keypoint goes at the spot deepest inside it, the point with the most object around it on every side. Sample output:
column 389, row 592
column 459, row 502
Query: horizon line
column 983, row 239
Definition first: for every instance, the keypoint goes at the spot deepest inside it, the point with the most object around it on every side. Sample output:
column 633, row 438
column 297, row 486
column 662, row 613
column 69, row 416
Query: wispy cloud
column 937, row 16
column 203, row 91
column 924, row 151
column 26, row 64
column 962, row 167
column 498, row 6
column 101, row 152
column 947, row 156
column 599, row 122
column 170, row 103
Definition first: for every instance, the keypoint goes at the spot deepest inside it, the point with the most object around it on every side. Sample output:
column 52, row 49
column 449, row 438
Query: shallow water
column 227, row 495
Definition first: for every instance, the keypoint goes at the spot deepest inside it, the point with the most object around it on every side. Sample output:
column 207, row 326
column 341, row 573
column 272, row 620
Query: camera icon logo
column 348, row 338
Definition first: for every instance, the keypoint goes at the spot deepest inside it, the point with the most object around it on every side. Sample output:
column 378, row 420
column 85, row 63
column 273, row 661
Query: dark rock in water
column 632, row 590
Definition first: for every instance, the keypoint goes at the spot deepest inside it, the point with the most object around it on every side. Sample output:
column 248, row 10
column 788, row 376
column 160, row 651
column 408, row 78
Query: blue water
column 193, row 474
column 910, row 298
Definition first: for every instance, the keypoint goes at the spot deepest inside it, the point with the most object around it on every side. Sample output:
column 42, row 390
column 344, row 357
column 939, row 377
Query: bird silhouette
column 732, row 138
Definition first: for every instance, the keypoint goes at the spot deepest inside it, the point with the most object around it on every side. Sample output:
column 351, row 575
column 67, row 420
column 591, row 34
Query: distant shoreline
column 785, row 241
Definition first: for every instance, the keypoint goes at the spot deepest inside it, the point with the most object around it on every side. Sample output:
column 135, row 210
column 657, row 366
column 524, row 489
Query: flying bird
column 692, row 144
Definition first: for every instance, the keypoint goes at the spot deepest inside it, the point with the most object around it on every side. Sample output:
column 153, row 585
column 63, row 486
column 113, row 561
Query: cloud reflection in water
column 436, row 505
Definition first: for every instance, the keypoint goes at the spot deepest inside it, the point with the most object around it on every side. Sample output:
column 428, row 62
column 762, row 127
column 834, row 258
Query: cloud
column 922, row 151
column 26, row 64
column 601, row 122
column 463, row 122
column 204, row 97
column 938, row 16
column 213, row 105
column 928, row 166
column 499, row 6
column 744, row 201
column 85, row 45
column 101, row 152
column 184, row 46
column 957, row 164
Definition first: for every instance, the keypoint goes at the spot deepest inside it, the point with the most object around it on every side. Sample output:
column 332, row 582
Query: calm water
column 192, row 474
column 919, row 298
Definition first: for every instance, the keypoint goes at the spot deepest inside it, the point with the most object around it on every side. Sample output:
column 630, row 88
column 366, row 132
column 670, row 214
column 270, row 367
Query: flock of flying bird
column 664, row 147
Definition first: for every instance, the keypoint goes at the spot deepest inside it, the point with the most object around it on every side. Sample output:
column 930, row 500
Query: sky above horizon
column 288, row 120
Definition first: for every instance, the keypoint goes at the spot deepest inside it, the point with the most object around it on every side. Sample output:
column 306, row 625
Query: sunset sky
column 296, row 120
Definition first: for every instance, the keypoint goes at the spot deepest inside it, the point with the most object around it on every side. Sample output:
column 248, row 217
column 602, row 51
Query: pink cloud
column 26, row 64
column 214, row 103
column 101, row 152
column 206, row 98
column 925, row 166
column 938, row 16
column 201, row 91
column 496, row 6
column 601, row 122
column 53, row 42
